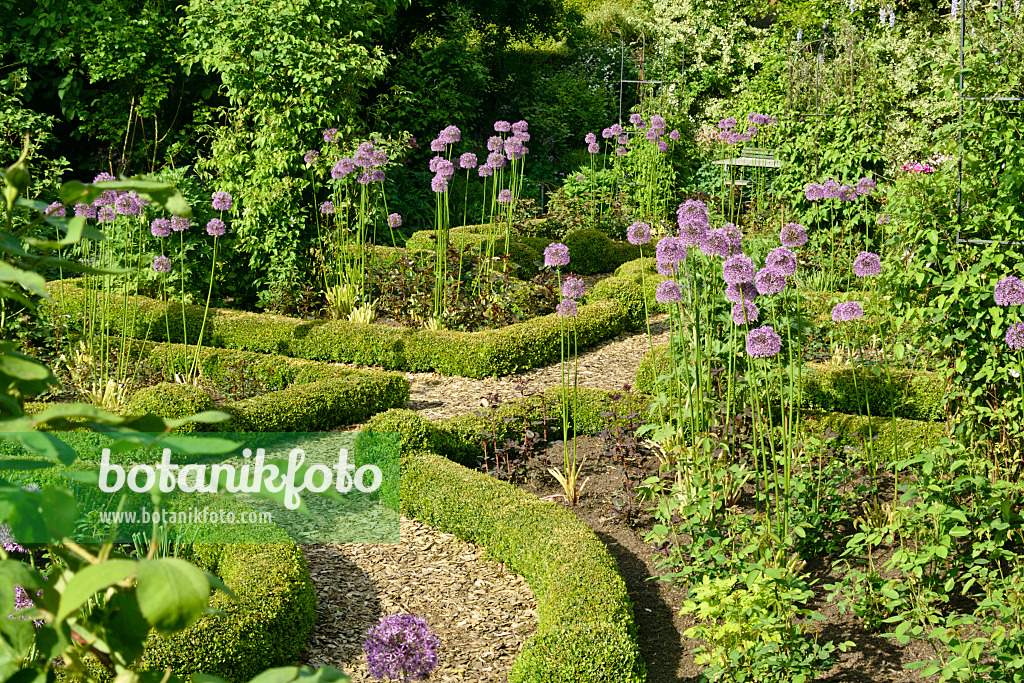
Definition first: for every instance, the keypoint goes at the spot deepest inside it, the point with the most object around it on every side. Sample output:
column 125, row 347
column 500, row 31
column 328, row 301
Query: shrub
column 594, row 252
column 170, row 400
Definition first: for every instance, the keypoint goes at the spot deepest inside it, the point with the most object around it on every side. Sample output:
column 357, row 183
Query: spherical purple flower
column 495, row 143
column 556, row 255
column 162, row 264
column 127, row 205
column 468, row 160
column 513, row 146
column 770, row 281
column 867, row 264
column 674, row 135
column 378, row 158
column 401, row 647
column 652, row 135
column 522, row 136
column 437, row 145
column 221, row 201
column 502, row 126
column 1015, row 337
column 737, row 269
column 814, row 192
column 847, row 311
column 330, row 134
column 55, row 209
column 593, row 148
column 830, row 189
column 668, row 292
column 793, row 235
column 763, row 342
column 106, row 214
column 567, row 309
column 745, row 313
column 865, row 186
column 439, row 183
column 636, row 119
column 590, row 138
column 364, row 179
column 505, row 196
column 311, row 156
column 343, row 168
column 483, row 170
column 847, row 193
column 670, row 250
column 658, row 122
column 726, row 124
column 667, row 269
column 638, row 233
column 1009, row 291
column 160, row 227
column 607, row 133
column 395, row 220
column 782, row 259
column 435, row 164
column 215, row 227
column 623, row 139
column 377, row 176
column 451, row 135
column 103, row 177
column 716, row 243
column 692, row 217
column 573, row 287
column 745, row 291
column 520, row 127
column 662, row 146
column 179, row 224
column 616, row 130
column 85, row 210
column 496, row 160
column 327, row 207
column 621, row 151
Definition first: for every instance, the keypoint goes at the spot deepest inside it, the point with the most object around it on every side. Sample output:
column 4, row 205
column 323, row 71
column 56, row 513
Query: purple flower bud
column 607, row 133
column 495, row 143
column 437, row 145
column 450, row 135
column 865, row 186
column 716, row 243
column 502, row 126
column 616, row 130
column 85, row 210
column 495, row 160
column 670, row 250
column 737, row 269
column 662, row 146
column 793, row 235
column 636, row 119
column 439, row 183
column 1009, row 291
column 783, row 259
column 847, row 312
column 593, row 148
column 377, row 176
column 770, row 281
column 590, row 138
column 127, row 205
column 468, row 160
column 484, row 170
column 830, row 189
column 215, row 227
column 674, row 135
column 814, row 192
column 621, row 151
column 505, row 196
column 179, row 224
column 520, row 126
column 658, row 122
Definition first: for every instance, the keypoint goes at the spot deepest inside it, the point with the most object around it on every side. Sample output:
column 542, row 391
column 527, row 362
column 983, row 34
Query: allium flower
column 343, row 168
column 377, row 176
column 179, row 224
column 745, row 313
column 160, row 227
column 55, row 209
column 495, row 143
column 763, row 342
column 737, row 269
column 883, row 218
column 607, row 133
column 437, row 145
column 617, row 130
column 658, row 122
column 668, row 292
column 770, row 281
column 670, row 250
column 162, row 264
column 865, row 186
column 830, row 189
column 814, row 192
column 468, row 160
column 674, row 135
column 127, row 205
column 520, row 127
column 505, row 196
column 573, row 287
column 103, row 178
column 85, row 210
column 327, row 207
column 567, row 309
column 106, row 214
column 483, row 170
column 793, row 235
column 692, row 217
column 667, row 269
column 867, row 264
column 330, row 134
column 451, row 135
column 522, row 136
column 513, row 146
column 378, row 158
column 636, row 119
column 782, row 259
column 1009, row 291
column 715, row 243
column 395, row 220
column 215, row 227
column 221, row 201
column 439, row 183
column 496, row 160
column 1015, row 337
column 662, row 146
column 593, row 148
column 745, row 291
column 846, row 312
column 590, row 138
column 556, row 255
column 623, row 140
column 621, row 151
column 638, row 233
column 726, row 124
column 847, row 193
column 401, row 646
column 311, row 156
column 364, row 179
column 502, row 126
column 733, row 233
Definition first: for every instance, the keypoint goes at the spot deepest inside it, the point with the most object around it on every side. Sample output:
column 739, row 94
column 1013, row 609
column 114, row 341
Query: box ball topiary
column 170, row 400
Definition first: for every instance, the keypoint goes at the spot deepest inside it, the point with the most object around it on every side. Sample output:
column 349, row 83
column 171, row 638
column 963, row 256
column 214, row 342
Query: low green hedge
column 905, row 438
column 915, row 396
column 585, row 632
column 468, row 354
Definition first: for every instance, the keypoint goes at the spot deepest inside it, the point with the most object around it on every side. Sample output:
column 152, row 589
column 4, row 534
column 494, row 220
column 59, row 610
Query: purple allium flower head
column 483, row 170
column 162, row 264
column 770, row 281
column 85, row 210
column 590, row 138
column 638, row 233
column 327, row 207
column 344, row 166
column 513, row 146
column 1009, row 291
column 607, row 133
column 715, row 243
column 496, row 160
column 830, row 189
column 593, row 148
column 658, row 122
column 495, row 143
column 745, row 313
column 179, row 223
column 127, row 205
column 623, row 139
column 733, row 233
column 221, row 201
column 667, row 269
column 726, row 124
column 738, row 268
column 520, row 127
column 468, row 160
column 636, row 119
column 378, row 158
column 103, row 178
column 505, row 196
column 364, row 179
column 567, row 309
column 573, row 287
column 616, row 130
column 311, row 156
column 106, row 214
column 814, row 192
column 522, row 136
column 847, row 311
column 502, row 126
column 745, row 291
column 763, row 342
column 865, row 186
column 793, row 235
column 437, row 145
column 556, row 255
column 395, row 220
column 451, row 135
column 642, row 125
column 55, row 209
column 330, row 134
column 674, row 135
column 1015, row 337
column 439, row 183
column 160, row 227
column 782, row 259
column 670, row 250
column 435, row 164
column 621, row 151
column 215, row 227
column 377, row 176
column 668, row 292
column 867, row 264
column 847, row 193
column 652, row 135
column 662, row 146
column 692, row 217
column 402, row 647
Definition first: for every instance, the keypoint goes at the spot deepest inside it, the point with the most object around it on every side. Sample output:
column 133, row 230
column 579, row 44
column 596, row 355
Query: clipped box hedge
column 915, row 396
column 468, row 354
column 901, row 437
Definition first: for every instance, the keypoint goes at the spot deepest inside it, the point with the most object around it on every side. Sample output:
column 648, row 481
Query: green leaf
column 172, row 593
column 90, row 580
